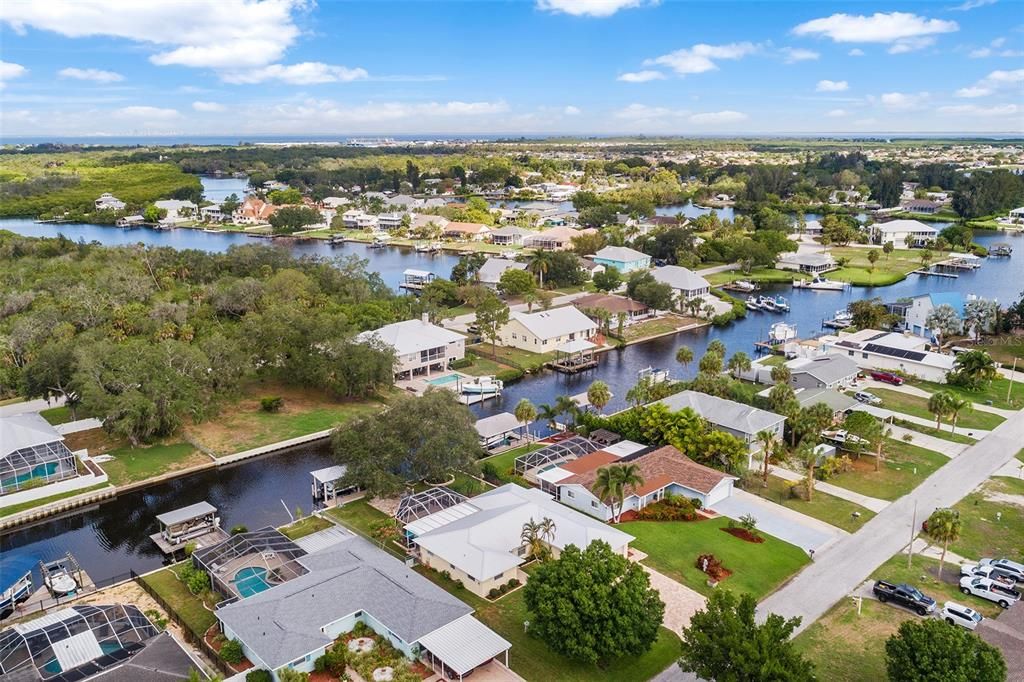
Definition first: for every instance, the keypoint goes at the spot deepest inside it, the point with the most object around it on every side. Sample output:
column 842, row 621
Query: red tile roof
column 660, row 468
column 593, row 460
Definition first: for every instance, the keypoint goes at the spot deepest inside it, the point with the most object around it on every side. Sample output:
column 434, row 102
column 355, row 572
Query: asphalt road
column 837, row 571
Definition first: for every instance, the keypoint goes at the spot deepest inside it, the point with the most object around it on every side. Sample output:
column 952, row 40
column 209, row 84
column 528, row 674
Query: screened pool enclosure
column 33, row 454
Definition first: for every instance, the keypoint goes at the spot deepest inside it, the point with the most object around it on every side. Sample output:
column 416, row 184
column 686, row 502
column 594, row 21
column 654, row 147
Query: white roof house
column 554, row 323
column 483, row 538
column 412, row 336
column 682, row 280
column 896, row 231
column 623, row 258
column 493, row 268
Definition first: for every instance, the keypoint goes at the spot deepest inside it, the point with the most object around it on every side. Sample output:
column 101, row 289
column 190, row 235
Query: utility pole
column 913, row 528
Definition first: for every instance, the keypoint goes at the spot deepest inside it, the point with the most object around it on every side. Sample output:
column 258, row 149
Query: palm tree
column 532, row 538
column 599, row 394
column 808, row 458
column 629, row 476
column 529, row 298
column 955, row 406
column 767, row 441
column 781, row 374
column 566, row 405
column 547, row 530
column 526, row 413
column 944, row 527
column 939, row 405
column 548, row 413
column 606, row 487
column 640, row 393
column 717, row 347
column 709, row 311
column 684, row 356
column 739, row 363
column 540, row 265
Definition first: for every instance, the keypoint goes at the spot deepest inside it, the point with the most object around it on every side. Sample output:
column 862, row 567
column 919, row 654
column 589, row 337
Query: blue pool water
column 52, row 667
column 446, row 379
column 251, row 580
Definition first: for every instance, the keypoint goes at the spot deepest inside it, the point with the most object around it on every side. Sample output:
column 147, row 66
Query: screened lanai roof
column 427, row 502
column 266, row 548
column 556, row 453
column 86, row 639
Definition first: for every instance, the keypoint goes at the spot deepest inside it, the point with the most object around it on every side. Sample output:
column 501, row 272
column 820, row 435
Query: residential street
column 838, row 570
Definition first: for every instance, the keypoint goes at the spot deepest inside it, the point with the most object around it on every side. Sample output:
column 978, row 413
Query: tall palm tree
column 767, row 441
column 781, row 374
column 532, row 538
column 955, row 406
column 944, row 527
column 739, row 363
column 606, row 487
column 939, row 405
column 540, row 265
column 629, row 477
column 684, row 356
column 526, row 413
column 547, row 529
column 548, row 413
column 599, row 395
column 717, row 346
column 808, row 458
column 566, row 405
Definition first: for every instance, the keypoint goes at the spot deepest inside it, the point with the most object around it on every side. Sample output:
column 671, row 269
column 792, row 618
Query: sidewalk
column 872, row 503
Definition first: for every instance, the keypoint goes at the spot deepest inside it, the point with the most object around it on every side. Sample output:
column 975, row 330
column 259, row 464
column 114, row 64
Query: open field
column 904, row 467
column 244, row 425
column 918, row 407
column 137, row 464
column 532, row 659
column 992, row 519
column 656, row 327
column 673, row 547
column 823, row 506
column 197, row 617
column 996, row 391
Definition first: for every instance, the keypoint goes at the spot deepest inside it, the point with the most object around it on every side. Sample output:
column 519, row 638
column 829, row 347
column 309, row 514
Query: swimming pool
column 52, row 667
column 446, row 379
column 250, row 580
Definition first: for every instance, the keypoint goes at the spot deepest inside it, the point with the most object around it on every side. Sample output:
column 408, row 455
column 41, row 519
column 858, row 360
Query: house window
column 570, row 493
column 850, row 353
column 864, row 355
column 498, row 577
column 593, row 504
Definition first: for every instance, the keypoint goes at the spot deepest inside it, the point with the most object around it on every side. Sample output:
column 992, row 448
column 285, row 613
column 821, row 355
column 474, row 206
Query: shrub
column 513, row 583
column 677, row 508
column 833, row 466
column 195, row 580
column 259, row 675
column 333, row 661
column 494, row 593
column 490, row 473
column 239, row 529
column 509, row 376
column 748, row 522
column 189, row 548
column 272, row 403
column 157, row 619
column 461, row 364
column 231, row 651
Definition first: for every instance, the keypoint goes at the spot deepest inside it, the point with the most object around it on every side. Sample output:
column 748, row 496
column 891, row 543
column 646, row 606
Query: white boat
column 781, row 304
column 744, row 285
column 843, row 316
column 820, row 284
column 654, row 375
column 423, row 248
column 58, row 578
column 508, row 255
column 15, row 581
column 481, row 385
column 767, row 303
column 780, row 332
column 752, row 303
column 379, row 242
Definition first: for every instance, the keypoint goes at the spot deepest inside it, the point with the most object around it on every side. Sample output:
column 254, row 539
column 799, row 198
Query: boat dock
column 194, row 526
column 935, row 273
column 63, row 570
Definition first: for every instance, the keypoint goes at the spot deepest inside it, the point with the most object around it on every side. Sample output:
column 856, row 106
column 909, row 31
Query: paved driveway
column 681, row 602
column 778, row 521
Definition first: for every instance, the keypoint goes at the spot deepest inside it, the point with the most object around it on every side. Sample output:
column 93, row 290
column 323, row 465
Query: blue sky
column 290, row 67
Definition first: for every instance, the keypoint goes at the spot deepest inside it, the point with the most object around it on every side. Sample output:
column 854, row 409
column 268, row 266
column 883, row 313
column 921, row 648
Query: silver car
column 958, row 614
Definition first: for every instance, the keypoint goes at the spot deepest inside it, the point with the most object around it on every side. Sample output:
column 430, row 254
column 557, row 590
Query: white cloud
column 96, row 75
column 641, row 76
column 832, row 86
column 304, row 73
column 975, row 110
column 590, row 8
column 998, row 42
column 226, row 34
column 904, row 31
column 980, row 52
column 572, row 111
column 713, row 117
column 972, row 4
column 792, row 55
column 700, row 58
column 208, row 107
column 837, row 113
column 147, row 113
column 643, row 112
column 993, row 49
column 10, row 71
column 903, row 101
column 992, row 82
column 856, row 52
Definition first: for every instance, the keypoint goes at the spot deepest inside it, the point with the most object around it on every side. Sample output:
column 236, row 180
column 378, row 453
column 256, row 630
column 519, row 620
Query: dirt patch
column 96, row 441
column 744, row 534
column 1006, row 498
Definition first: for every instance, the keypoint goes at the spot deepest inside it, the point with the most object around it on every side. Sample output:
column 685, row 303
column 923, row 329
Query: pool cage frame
column 555, row 454
column 265, row 548
column 32, row 643
column 25, row 460
column 415, row 506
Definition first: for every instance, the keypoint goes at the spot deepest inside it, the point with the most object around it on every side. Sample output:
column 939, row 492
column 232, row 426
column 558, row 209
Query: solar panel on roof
column 914, row 355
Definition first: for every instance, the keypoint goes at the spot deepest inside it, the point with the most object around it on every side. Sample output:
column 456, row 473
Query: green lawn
column 922, row 575
column 186, row 605
column 468, row 485
column 673, row 547
column 12, row 401
column 304, row 527
column 822, row 506
column 772, row 360
column 18, row 508
column 995, row 391
column 533, row 660
column 484, row 367
column 137, row 464
column 904, row 468
column 56, row 415
column 847, row 647
column 888, row 269
column 1006, row 350
column 957, row 437
column 513, row 356
column 756, row 275
column 359, row 516
column 918, row 407
column 655, row 327
column 506, row 460
column 981, row 534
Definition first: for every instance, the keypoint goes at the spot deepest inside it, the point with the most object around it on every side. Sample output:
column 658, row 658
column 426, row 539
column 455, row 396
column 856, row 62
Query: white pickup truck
column 988, row 571
column 986, row 588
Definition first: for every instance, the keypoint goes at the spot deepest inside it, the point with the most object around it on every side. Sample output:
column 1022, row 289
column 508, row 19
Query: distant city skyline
column 265, row 68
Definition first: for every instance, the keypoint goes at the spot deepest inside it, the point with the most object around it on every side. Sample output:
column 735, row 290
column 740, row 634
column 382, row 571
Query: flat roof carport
column 464, row 644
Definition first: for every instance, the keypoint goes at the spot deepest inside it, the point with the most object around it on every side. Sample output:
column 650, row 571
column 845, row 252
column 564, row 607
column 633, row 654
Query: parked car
column 904, row 595
column 867, row 398
column 1013, row 568
column 958, row 614
column 986, row 588
column 989, row 571
column 887, row 378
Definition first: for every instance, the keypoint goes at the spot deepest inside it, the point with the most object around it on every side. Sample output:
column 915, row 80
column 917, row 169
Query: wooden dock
column 214, row 537
column 935, row 273
column 570, row 367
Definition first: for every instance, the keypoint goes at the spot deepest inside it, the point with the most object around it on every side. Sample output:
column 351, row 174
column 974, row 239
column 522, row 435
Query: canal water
column 113, row 537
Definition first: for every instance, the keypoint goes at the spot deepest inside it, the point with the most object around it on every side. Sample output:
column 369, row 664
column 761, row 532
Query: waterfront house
column 614, row 305
column 421, row 347
column 475, row 232
column 335, row 202
column 108, row 202
column 253, row 211
column 542, row 331
column 831, row 371
column 212, row 213
column 555, row 239
column 664, row 471
column 350, row 218
column 742, row 421
column 923, row 206
column 178, row 211
column 903, row 352
column 510, row 235
column 623, row 258
column 685, row 283
column 899, row 231
column 290, row 620
column 491, row 271
column 921, row 307
column 813, row 263
column 390, row 221
column 422, row 221
column 480, row 543
column 1016, row 214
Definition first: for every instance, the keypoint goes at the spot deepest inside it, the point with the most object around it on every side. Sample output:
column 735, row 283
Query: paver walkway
column 780, row 522
column 681, row 602
column 872, row 503
column 853, row 558
column 943, row 447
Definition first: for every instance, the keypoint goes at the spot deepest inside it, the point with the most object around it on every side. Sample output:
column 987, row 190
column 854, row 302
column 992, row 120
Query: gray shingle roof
column 827, row 370
column 679, row 278
column 839, row 402
column 724, row 413
column 623, row 254
column 283, row 623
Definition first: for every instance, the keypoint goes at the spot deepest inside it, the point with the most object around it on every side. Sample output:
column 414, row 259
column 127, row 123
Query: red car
column 888, row 378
